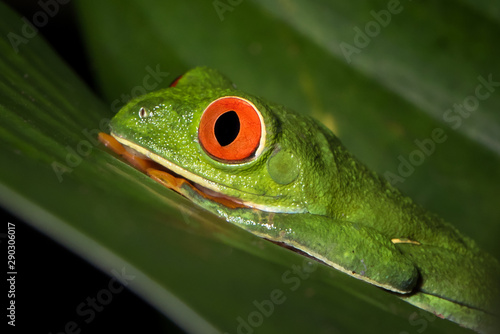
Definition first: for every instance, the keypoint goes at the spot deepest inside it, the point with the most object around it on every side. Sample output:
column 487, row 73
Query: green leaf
column 205, row 274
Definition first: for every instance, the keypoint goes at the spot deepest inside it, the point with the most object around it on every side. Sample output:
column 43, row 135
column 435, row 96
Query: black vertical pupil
column 227, row 127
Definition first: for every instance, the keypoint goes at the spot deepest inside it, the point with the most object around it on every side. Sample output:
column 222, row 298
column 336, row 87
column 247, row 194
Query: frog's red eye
column 231, row 129
column 174, row 83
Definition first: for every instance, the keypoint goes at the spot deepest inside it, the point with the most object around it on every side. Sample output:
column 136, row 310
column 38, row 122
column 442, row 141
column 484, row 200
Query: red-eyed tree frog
column 287, row 178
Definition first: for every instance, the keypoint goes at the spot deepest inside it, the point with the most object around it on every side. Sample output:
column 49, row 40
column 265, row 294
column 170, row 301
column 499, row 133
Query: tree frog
column 287, row 178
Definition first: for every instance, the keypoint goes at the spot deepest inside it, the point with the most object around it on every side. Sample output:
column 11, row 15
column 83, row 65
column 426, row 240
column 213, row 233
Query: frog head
column 233, row 144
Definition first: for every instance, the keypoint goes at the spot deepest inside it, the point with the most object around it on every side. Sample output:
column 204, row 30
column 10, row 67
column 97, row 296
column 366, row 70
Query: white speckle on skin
column 269, row 226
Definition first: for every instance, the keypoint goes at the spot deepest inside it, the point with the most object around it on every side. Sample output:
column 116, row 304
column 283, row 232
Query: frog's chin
column 183, row 181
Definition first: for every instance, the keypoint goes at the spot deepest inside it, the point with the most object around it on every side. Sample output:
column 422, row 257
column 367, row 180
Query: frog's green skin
column 306, row 190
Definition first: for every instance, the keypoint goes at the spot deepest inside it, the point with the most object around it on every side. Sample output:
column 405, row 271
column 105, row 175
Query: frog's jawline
column 210, row 188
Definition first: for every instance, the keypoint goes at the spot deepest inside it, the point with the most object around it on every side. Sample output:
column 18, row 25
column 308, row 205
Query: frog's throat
column 204, row 183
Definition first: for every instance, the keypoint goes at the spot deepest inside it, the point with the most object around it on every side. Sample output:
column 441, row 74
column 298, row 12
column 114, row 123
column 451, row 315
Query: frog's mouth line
column 174, row 177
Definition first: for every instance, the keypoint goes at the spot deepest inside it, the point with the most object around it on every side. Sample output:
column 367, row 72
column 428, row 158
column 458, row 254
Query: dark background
column 51, row 280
